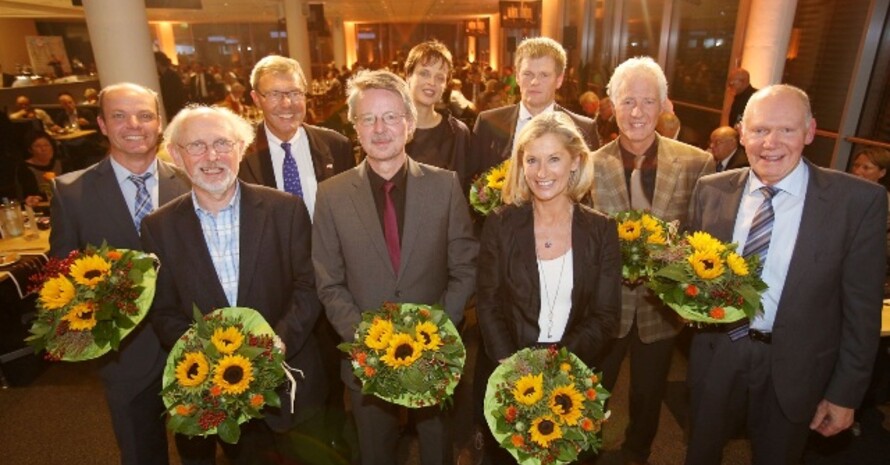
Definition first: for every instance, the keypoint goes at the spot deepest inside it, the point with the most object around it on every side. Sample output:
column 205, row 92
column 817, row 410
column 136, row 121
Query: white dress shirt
column 300, row 151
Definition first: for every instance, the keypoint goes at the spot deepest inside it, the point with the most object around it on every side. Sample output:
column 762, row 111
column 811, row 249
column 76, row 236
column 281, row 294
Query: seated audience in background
column 606, row 127
column 90, row 96
column 235, row 101
column 668, row 125
column 71, row 117
column 590, row 104
column 33, row 175
column 725, row 148
column 26, row 111
column 872, row 164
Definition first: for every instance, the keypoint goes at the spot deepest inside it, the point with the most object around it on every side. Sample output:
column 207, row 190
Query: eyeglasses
column 389, row 118
column 199, row 147
column 277, row 96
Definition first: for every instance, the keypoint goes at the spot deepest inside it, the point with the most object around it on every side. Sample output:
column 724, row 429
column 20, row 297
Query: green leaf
column 674, row 271
column 229, row 431
column 272, row 399
column 413, row 380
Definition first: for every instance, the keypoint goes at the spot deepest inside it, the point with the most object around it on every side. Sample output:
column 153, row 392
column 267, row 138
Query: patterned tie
column 391, row 227
column 758, row 240
column 292, row 183
column 143, row 198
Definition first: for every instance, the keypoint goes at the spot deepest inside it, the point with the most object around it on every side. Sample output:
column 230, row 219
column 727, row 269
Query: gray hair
column 633, row 67
column 276, row 64
column 385, row 80
column 241, row 130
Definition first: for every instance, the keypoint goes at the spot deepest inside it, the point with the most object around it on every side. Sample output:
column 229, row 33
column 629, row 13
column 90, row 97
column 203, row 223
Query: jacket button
column 398, row 293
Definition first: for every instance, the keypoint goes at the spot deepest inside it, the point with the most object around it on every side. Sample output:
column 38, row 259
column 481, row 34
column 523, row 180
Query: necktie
column 391, row 227
column 143, row 198
column 291, row 173
column 638, row 199
column 720, row 166
column 758, row 240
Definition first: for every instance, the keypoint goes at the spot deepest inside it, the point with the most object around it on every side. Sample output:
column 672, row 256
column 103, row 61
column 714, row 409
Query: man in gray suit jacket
column 236, row 244
column 99, row 204
column 390, row 229
column 805, row 361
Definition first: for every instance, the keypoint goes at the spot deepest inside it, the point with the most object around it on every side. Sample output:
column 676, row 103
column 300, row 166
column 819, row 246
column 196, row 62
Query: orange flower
column 185, row 410
column 717, row 313
column 591, row 394
column 49, row 176
column 691, row 290
column 257, row 400
column 510, row 414
column 113, row 255
column 424, row 313
column 594, row 379
column 518, row 440
column 216, row 390
column 586, row 424
column 370, row 371
column 361, row 358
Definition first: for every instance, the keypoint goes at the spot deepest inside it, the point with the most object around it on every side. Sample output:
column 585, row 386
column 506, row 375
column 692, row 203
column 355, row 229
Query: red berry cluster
column 211, row 419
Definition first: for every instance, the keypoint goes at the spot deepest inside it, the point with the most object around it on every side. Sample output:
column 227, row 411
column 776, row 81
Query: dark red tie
column 391, row 227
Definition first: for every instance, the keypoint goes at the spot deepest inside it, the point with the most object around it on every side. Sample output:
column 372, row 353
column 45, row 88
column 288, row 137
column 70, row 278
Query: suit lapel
column 509, row 128
column 199, row 256
column 366, row 211
column 110, row 199
column 322, row 160
column 417, row 197
column 260, row 164
column 667, row 171
column 253, row 223
column 168, row 188
column 611, row 189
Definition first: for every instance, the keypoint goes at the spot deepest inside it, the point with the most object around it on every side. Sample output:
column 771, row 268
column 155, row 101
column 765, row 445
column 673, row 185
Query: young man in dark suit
column 99, row 204
column 804, row 361
column 235, row 244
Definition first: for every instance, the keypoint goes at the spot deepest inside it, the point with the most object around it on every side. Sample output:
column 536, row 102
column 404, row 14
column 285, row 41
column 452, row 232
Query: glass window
column 641, row 28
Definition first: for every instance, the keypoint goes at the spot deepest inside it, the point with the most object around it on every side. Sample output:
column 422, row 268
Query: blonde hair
column 557, row 123
column 537, row 47
column 275, row 64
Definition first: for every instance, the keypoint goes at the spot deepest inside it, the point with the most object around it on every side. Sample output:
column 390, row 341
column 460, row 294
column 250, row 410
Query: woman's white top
column 556, row 277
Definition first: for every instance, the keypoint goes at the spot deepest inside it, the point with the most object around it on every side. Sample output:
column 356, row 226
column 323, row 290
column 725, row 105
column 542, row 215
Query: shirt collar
column 277, row 142
column 400, row 179
column 525, row 115
column 793, row 183
column 122, row 174
column 233, row 203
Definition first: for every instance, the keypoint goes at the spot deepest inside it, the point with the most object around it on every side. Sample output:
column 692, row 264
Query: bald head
column 739, row 80
column 668, row 125
column 724, row 141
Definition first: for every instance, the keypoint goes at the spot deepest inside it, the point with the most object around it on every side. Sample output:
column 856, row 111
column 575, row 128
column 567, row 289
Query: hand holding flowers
column 407, row 354
column 705, row 280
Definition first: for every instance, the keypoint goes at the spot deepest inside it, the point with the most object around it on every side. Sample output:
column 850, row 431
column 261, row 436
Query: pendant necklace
column 551, row 304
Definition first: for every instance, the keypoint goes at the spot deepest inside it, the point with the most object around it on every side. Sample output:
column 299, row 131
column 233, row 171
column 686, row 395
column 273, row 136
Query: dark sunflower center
column 564, row 401
column 528, row 392
column 426, row 337
column 404, row 351
column 192, row 371
column 226, row 342
column 709, row 264
column 92, row 274
column 86, row 315
column 545, row 427
column 233, row 374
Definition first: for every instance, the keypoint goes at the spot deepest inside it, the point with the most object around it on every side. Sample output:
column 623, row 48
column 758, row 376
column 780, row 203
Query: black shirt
column 647, row 170
column 398, row 195
column 433, row 146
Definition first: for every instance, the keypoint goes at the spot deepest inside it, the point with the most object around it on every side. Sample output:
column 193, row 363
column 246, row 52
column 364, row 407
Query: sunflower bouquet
column 485, row 192
column 545, row 406
column 407, row 354
column 640, row 234
column 90, row 300
column 221, row 373
column 704, row 280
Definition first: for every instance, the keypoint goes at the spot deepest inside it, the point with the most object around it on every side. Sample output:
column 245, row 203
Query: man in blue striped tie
column 804, row 361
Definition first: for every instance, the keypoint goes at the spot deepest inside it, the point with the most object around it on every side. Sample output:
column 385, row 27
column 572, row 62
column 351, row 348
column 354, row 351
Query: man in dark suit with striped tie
column 804, row 361
column 724, row 146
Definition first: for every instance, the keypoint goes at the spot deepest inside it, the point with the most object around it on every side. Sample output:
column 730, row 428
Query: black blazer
column 492, row 140
column 331, row 154
column 508, row 290
column 275, row 278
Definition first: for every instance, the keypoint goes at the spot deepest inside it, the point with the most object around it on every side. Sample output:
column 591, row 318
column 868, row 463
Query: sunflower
column 498, row 175
column 567, row 403
column 90, row 270
column 656, row 238
column 81, row 317
column 707, row 264
column 379, row 334
column 544, row 431
column 227, row 340
column 529, row 389
column 630, row 230
column 737, row 264
column 427, row 334
column 233, row 374
column 192, row 370
column 403, row 351
column 702, row 241
column 651, row 224
column 56, row 293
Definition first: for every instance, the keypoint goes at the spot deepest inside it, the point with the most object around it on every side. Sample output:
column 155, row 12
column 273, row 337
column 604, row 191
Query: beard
column 216, row 187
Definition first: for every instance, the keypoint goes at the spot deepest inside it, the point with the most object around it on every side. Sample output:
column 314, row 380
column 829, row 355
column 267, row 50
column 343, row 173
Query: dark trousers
column 649, row 365
column 377, row 422
column 137, row 416
column 728, row 379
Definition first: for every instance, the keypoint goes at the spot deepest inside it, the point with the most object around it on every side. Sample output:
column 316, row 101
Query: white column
column 349, row 39
column 121, row 42
column 552, row 19
column 339, row 41
column 296, row 15
column 766, row 40
column 494, row 41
